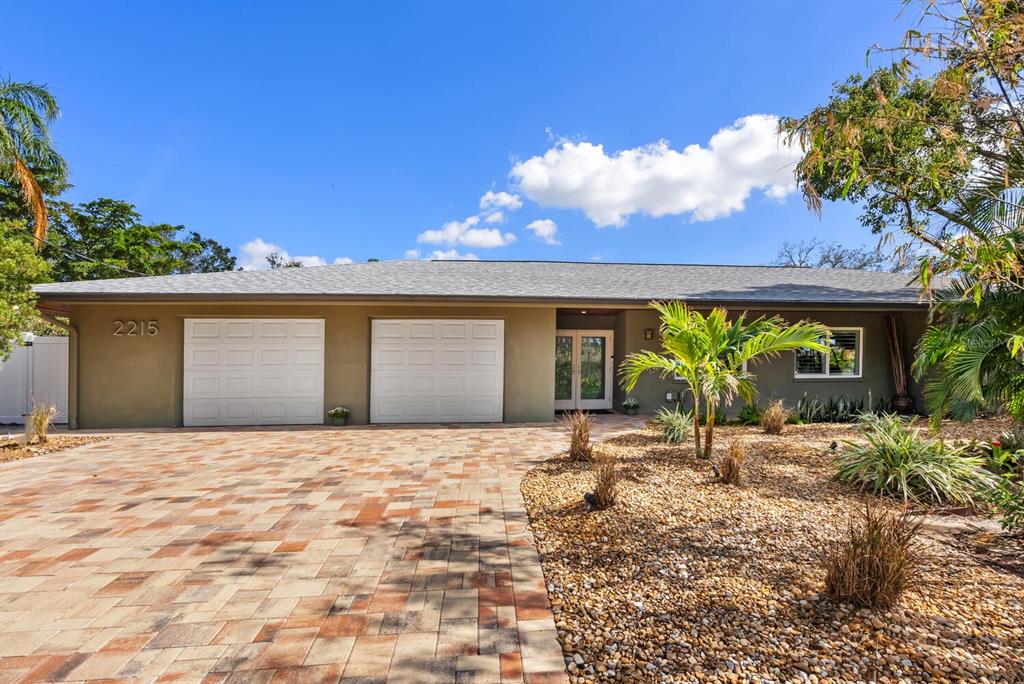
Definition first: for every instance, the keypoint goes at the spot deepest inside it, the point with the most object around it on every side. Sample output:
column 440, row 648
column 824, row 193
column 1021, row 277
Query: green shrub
column 1007, row 496
column 841, row 409
column 898, row 461
column 675, row 424
column 750, row 414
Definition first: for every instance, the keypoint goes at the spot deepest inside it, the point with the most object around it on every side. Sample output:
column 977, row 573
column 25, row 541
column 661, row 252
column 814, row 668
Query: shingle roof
column 517, row 280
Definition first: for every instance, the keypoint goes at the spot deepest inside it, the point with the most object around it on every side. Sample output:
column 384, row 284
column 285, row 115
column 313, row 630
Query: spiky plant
column 879, row 558
column 897, row 460
column 577, row 424
column 674, row 424
column 774, row 418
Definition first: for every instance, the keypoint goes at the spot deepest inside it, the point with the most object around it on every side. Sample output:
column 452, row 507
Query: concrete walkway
column 371, row 555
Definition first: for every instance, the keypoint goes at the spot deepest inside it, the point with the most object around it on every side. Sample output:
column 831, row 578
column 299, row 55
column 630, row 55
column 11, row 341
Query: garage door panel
column 253, row 371
column 240, row 329
column 198, row 330
column 422, row 331
column 485, row 357
column 454, row 330
column 486, row 331
column 454, row 357
column 238, row 385
column 202, row 356
column 454, row 375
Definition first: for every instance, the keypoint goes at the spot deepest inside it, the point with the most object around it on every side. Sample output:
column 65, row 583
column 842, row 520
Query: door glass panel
column 563, row 368
column 592, row 355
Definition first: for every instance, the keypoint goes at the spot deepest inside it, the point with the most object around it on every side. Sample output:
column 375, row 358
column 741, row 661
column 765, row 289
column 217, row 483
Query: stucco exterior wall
column 776, row 377
column 137, row 381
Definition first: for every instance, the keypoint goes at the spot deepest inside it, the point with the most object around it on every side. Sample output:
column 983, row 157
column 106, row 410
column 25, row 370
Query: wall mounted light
column 668, row 396
column 648, row 333
column 583, row 312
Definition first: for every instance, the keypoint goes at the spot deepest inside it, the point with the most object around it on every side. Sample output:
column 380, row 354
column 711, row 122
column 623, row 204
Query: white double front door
column 584, row 370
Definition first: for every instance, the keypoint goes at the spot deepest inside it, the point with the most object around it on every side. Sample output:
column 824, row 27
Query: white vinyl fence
column 35, row 373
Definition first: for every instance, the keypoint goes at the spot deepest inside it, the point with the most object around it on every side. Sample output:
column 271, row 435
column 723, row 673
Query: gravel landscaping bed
column 13, row 450
column 686, row 579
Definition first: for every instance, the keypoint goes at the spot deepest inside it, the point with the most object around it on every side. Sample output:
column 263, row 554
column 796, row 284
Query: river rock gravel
column 689, row 580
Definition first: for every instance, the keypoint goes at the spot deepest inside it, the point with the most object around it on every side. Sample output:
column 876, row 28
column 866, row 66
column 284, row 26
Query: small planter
column 903, row 405
column 339, row 415
column 629, row 411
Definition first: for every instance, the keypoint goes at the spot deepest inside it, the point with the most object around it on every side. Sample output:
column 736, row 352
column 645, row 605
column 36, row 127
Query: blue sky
column 343, row 130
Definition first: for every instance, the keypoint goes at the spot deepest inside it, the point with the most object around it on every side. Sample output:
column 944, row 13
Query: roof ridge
column 632, row 263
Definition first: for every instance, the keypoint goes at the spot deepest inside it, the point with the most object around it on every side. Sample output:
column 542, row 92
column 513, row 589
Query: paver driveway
column 398, row 554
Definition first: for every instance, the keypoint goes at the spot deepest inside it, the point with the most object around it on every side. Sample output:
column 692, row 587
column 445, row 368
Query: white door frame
column 575, row 402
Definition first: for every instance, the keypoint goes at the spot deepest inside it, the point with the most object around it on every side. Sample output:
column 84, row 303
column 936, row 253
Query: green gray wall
column 775, row 378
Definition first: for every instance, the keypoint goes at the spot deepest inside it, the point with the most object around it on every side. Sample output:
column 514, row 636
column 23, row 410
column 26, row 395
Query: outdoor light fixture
column 583, row 311
column 668, row 396
column 648, row 333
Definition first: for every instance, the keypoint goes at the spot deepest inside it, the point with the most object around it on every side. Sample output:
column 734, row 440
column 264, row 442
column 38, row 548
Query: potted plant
column 339, row 414
column 630, row 406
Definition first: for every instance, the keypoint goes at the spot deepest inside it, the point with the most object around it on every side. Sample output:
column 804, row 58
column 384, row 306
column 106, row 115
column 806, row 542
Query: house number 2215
column 136, row 328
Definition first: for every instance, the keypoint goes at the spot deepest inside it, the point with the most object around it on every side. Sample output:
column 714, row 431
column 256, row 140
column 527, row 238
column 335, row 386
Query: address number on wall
column 136, row 328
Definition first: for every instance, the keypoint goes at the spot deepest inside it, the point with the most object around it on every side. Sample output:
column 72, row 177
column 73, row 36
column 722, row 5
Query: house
column 443, row 341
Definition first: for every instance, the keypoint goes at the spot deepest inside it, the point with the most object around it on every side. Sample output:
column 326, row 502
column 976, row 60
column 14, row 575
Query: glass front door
column 583, row 369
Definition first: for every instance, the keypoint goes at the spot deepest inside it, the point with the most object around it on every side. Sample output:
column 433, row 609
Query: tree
column 932, row 147
column 277, row 261
column 815, row 253
column 26, row 111
column 908, row 141
column 20, row 268
column 710, row 354
column 106, row 238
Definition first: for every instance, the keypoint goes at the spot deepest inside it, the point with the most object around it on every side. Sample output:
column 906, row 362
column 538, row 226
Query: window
column 842, row 360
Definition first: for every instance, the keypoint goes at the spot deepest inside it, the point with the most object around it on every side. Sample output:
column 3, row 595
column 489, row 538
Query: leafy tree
column 932, row 147
column 26, row 111
column 20, row 268
column 106, row 238
column 709, row 353
column 909, row 141
column 815, row 253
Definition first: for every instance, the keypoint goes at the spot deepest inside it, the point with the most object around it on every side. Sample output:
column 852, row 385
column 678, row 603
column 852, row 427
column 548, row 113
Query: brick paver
column 377, row 555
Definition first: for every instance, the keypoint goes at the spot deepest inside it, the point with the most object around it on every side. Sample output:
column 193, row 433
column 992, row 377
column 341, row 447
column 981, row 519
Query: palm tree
column 710, row 354
column 26, row 110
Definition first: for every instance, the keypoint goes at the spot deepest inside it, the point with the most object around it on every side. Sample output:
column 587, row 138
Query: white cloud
column 255, row 252
column 466, row 233
column 504, row 200
column 545, row 229
column 704, row 182
column 438, row 255
column 495, row 217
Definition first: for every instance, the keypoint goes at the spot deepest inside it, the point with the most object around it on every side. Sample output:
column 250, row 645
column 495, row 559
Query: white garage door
column 253, row 371
column 437, row 371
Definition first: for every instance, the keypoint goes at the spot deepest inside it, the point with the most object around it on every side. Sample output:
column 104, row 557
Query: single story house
column 443, row 341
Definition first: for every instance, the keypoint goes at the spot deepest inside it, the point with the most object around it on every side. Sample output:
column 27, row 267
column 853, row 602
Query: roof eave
column 112, row 297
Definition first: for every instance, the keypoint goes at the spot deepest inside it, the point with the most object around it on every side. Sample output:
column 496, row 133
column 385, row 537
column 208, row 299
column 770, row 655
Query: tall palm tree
column 26, row 110
column 710, row 354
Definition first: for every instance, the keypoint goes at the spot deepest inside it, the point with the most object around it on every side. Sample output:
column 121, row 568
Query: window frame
column 825, row 374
